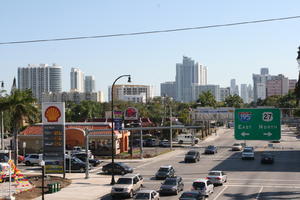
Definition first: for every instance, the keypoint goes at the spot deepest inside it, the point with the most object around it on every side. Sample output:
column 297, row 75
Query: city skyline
column 228, row 52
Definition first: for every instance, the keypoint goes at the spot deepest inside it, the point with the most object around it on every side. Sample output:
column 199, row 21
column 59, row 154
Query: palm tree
column 21, row 106
column 207, row 99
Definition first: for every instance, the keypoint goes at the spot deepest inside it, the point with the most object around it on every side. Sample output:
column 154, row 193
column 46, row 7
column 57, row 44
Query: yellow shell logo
column 52, row 114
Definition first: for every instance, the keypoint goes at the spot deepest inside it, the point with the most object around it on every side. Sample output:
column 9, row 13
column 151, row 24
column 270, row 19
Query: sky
column 228, row 52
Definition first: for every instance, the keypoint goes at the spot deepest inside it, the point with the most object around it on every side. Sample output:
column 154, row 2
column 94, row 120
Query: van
column 204, row 186
column 187, row 139
column 127, row 185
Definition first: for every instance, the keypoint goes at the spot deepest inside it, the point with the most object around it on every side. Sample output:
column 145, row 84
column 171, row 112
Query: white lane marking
column 281, row 180
column 268, row 186
column 261, row 189
column 220, row 193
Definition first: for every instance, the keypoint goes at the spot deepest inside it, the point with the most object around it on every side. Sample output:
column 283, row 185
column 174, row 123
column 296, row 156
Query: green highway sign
column 257, row 124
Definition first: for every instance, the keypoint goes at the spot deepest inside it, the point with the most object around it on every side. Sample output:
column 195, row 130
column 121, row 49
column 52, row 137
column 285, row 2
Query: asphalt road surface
column 247, row 179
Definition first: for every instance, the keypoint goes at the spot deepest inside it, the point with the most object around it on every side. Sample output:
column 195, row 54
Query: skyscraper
column 259, row 84
column 89, row 83
column 244, row 93
column 168, row 89
column 77, row 80
column 40, row 78
column 188, row 75
column 234, row 88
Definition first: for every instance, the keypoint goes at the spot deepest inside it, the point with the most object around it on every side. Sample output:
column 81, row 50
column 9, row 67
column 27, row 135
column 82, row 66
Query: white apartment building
column 131, row 92
column 77, row 80
column 40, row 79
column 199, row 89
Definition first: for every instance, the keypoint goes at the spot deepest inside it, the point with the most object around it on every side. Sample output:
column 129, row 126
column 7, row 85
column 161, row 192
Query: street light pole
column 112, row 129
column 2, row 124
column 171, row 131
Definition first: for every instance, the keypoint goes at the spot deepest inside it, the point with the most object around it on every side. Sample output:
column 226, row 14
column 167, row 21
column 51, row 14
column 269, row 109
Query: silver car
column 204, row 186
column 217, row 177
column 147, row 195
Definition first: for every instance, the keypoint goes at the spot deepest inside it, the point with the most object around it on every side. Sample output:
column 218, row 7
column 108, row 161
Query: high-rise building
column 77, row 80
column 89, row 84
column 40, row 79
column 259, row 84
column 133, row 93
column 168, row 89
column 292, row 84
column 264, row 71
column 250, row 93
column 234, row 88
column 277, row 85
column 224, row 92
column 188, row 74
column 244, row 93
column 199, row 89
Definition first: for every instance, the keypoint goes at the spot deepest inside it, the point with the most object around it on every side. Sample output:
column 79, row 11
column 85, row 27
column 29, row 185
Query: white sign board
column 207, row 113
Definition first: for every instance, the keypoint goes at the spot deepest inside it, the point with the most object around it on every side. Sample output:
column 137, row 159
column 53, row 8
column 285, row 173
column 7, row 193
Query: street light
column 298, row 57
column 112, row 129
column 2, row 124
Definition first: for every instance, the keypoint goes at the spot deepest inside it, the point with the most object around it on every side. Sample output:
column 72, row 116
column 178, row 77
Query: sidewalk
column 98, row 185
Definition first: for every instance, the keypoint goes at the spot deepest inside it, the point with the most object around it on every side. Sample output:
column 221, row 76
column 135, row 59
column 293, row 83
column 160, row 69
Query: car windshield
column 170, row 182
column 124, row 181
column 199, row 185
column 210, row 147
column 163, row 169
column 191, row 153
column 247, row 150
column 123, row 165
column 141, row 195
column 189, row 195
column 236, row 144
column 74, row 159
column 214, row 173
column 267, row 155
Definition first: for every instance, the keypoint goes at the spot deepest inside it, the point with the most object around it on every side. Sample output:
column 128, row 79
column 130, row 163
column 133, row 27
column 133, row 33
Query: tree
column 206, row 99
column 233, row 101
column 21, row 106
column 297, row 91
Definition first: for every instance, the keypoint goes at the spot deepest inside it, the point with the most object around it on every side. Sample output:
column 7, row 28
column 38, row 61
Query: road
column 247, row 179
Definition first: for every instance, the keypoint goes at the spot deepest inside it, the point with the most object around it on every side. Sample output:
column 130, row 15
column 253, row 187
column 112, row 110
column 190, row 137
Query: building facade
column 89, row 84
column 259, row 84
column 77, row 80
column 292, row 84
column 168, row 89
column 245, row 93
column 199, row 89
column 40, row 79
column 277, row 85
column 130, row 92
column 188, row 74
column 224, row 92
column 234, row 88
column 75, row 97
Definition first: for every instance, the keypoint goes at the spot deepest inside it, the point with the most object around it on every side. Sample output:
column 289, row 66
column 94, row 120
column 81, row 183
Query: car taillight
column 208, row 178
column 218, row 178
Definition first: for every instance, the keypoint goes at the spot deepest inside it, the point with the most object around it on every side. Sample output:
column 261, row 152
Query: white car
column 33, row 159
column 204, row 186
column 147, row 195
column 237, row 147
column 217, row 177
column 248, row 153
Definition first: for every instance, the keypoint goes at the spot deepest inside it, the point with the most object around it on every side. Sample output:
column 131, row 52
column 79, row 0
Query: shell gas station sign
column 53, row 118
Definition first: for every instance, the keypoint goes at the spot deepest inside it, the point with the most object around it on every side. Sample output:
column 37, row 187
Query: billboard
column 53, row 118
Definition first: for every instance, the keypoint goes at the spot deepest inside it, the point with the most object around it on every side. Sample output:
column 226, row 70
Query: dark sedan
column 192, row 156
column 267, row 158
column 191, row 195
column 211, row 149
column 82, row 157
column 119, row 168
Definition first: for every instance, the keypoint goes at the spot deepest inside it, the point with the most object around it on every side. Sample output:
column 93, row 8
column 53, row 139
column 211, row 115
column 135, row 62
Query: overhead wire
column 150, row 32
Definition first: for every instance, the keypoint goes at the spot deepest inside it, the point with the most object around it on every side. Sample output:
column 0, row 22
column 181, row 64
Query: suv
column 165, row 172
column 248, row 153
column 32, row 159
column 204, row 186
column 172, row 185
column 192, row 155
column 127, row 185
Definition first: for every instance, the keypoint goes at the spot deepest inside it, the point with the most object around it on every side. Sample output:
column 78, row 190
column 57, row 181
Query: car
column 267, row 158
column 165, row 172
column 164, row 143
column 119, row 168
column 275, row 141
column 237, row 147
column 211, row 149
column 192, row 156
column 187, row 138
column 76, row 165
column 151, row 142
column 248, row 153
column 33, row 159
column 82, row 157
column 171, row 185
column 127, row 185
column 204, row 186
column 217, row 177
column 192, row 195
column 147, row 195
